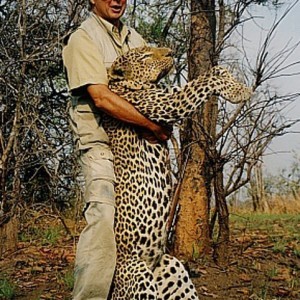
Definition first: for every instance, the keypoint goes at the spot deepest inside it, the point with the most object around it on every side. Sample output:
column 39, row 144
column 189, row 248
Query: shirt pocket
column 88, row 128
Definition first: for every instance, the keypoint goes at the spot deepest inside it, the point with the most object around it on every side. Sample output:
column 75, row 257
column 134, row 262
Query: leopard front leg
column 170, row 106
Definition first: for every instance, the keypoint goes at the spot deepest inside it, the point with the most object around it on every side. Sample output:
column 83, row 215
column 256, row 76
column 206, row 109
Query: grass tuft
column 7, row 289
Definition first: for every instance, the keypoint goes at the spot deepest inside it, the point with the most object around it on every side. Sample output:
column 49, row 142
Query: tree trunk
column 192, row 228
column 221, row 253
column 8, row 236
column 259, row 201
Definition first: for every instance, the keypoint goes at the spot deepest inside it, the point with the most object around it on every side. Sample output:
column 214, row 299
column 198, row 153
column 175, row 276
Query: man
column 90, row 50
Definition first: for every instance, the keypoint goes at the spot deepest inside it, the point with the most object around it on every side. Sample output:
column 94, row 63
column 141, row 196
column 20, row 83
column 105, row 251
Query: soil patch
column 262, row 264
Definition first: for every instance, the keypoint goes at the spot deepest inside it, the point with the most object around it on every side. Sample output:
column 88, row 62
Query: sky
column 282, row 150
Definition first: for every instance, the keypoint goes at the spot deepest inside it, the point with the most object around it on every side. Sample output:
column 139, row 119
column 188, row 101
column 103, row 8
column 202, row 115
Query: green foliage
column 265, row 221
column 264, row 291
column 281, row 230
column 48, row 236
column 279, row 247
column 273, row 272
column 297, row 252
column 7, row 289
column 51, row 235
column 68, row 280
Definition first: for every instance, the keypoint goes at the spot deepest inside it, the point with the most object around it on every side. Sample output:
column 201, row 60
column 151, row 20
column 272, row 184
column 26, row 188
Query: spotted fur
column 144, row 270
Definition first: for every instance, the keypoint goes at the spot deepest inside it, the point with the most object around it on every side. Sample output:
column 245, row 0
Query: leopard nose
column 170, row 52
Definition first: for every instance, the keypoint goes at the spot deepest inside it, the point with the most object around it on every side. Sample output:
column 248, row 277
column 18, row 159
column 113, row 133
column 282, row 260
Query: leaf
column 282, row 292
column 37, row 269
column 284, row 275
column 29, row 284
column 245, row 277
column 243, row 291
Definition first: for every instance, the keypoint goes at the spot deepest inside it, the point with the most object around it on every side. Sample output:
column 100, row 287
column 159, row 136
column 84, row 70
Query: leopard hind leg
column 173, row 281
column 134, row 281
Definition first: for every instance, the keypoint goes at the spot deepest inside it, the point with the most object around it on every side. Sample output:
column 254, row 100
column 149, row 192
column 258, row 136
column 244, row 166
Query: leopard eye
column 146, row 56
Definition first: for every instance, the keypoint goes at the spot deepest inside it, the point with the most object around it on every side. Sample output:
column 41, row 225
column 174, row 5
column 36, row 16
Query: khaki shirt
column 93, row 47
column 90, row 51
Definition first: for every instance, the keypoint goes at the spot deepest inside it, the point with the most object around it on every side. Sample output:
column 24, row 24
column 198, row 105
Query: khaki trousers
column 96, row 249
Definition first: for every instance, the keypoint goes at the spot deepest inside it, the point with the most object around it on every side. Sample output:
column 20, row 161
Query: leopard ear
column 116, row 73
column 119, row 71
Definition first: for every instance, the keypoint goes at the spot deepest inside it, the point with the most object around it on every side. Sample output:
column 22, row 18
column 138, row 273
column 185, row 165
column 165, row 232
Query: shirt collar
column 119, row 37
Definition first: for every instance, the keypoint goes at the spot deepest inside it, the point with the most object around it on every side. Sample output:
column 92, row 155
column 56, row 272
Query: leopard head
column 143, row 64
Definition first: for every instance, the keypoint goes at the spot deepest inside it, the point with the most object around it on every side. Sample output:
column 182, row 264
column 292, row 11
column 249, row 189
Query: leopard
column 144, row 269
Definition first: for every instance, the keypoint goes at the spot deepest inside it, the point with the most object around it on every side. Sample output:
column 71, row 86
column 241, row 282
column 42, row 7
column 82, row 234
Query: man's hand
column 122, row 110
column 157, row 133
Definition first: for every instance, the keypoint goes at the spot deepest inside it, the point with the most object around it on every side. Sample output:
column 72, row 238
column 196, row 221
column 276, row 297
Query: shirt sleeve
column 83, row 61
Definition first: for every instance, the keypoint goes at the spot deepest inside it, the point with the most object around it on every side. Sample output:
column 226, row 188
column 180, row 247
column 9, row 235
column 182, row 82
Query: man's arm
column 119, row 108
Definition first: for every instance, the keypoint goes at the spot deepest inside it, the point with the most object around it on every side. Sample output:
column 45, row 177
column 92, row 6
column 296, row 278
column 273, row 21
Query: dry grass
column 275, row 205
column 288, row 204
column 264, row 258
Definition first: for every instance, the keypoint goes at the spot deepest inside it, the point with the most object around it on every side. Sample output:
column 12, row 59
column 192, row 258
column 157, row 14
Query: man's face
column 110, row 10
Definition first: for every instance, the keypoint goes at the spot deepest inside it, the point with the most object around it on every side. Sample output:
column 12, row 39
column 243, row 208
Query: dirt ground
column 264, row 262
